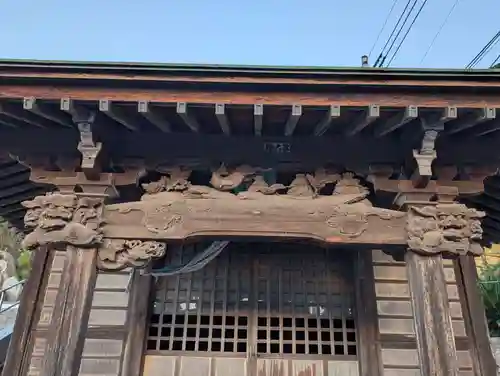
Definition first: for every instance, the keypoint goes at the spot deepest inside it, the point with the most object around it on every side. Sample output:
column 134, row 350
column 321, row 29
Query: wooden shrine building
column 261, row 221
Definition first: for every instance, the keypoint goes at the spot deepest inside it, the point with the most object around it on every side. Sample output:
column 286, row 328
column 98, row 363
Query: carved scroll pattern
column 118, row 254
column 445, row 228
column 66, row 219
column 243, row 193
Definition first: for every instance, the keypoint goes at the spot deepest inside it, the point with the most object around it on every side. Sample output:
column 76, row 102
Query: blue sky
column 268, row 32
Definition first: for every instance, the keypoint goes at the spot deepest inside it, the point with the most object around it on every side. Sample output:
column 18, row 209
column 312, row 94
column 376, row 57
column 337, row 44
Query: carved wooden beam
column 150, row 115
column 471, row 120
column 30, row 104
column 371, row 114
column 258, row 115
column 220, row 114
column 107, row 107
column 293, row 119
column 179, row 211
column 410, row 113
column 324, row 124
column 191, row 122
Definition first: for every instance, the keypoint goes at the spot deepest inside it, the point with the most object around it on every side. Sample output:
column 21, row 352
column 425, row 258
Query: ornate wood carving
column 444, row 228
column 63, row 219
column 173, row 208
column 117, row 254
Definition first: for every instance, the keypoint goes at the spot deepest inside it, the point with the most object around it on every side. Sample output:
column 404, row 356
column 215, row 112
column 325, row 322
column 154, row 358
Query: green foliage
column 489, row 285
column 10, row 241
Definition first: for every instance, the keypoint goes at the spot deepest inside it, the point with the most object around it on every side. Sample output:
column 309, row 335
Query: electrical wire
column 439, row 31
column 407, row 32
column 495, row 61
column 380, row 56
column 484, row 51
column 399, row 32
column 383, row 27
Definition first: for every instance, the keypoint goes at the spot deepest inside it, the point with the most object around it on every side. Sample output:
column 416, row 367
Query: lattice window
column 272, row 298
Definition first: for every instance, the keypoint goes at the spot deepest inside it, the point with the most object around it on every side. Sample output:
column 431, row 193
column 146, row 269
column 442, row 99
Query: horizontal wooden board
column 402, row 291
column 405, row 327
column 409, row 358
column 404, row 308
column 416, row 372
column 398, row 273
column 379, row 257
column 93, row 348
column 115, row 281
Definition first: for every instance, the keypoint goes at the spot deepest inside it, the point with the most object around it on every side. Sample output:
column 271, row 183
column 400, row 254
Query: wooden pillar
column 475, row 321
column 70, row 317
column 137, row 324
column 370, row 361
column 19, row 352
column 431, row 310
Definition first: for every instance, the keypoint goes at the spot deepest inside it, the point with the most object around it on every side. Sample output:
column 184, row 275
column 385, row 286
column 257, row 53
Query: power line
column 407, row 32
column 399, row 32
column 439, row 31
column 495, row 61
column 483, row 51
column 380, row 56
column 383, row 27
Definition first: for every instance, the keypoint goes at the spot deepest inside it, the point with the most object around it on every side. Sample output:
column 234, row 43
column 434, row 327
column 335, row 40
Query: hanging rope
column 196, row 263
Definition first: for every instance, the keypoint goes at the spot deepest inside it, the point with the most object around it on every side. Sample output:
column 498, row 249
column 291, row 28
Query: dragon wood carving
column 445, row 228
column 118, row 254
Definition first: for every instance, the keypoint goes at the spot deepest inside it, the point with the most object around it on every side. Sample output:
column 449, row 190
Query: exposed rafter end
column 293, row 119
column 150, row 115
column 258, row 116
column 371, row 114
column 106, row 107
column 472, row 120
column 191, row 122
column 410, row 113
column 30, row 104
column 220, row 113
column 324, row 124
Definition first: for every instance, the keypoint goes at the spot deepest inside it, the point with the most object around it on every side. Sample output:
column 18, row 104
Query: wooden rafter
column 258, row 115
column 220, row 113
column 144, row 108
column 410, row 113
column 324, row 124
column 293, row 119
column 183, row 112
column 4, row 110
column 31, row 104
column 106, row 107
column 471, row 120
column 371, row 114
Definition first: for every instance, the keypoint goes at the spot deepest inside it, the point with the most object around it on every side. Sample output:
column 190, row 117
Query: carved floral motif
column 446, row 228
column 63, row 219
column 117, row 254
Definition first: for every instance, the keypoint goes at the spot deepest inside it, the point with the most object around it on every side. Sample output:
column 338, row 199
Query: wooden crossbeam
column 4, row 110
column 30, row 104
column 472, row 119
column 293, row 119
column 258, row 115
column 371, row 114
column 191, row 122
column 220, row 113
column 150, row 115
column 106, row 107
column 323, row 125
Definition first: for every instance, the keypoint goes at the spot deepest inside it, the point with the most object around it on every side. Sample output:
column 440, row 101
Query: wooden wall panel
column 104, row 343
column 399, row 354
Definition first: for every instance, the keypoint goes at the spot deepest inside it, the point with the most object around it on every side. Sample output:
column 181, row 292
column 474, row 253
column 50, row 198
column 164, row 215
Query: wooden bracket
column 87, row 146
column 426, row 155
